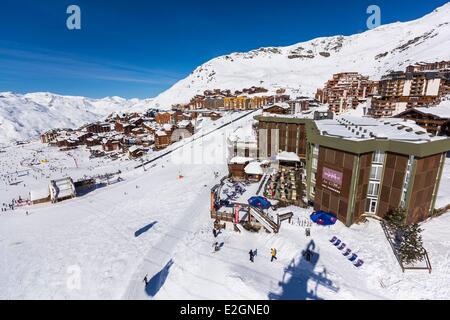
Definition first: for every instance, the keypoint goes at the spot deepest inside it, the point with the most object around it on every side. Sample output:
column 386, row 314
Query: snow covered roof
column 283, row 105
column 254, row 168
column 243, row 134
column 134, row 148
column 65, row 187
column 167, row 127
column 183, row 123
column 39, row 193
column 160, row 133
column 363, row 128
column 442, row 110
column 241, row 160
column 288, row 156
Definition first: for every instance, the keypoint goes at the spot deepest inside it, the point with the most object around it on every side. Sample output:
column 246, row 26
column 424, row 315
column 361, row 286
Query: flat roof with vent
column 363, row 128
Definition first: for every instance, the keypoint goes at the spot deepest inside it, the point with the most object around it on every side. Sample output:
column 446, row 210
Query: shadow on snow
column 158, row 280
column 294, row 284
column 144, row 229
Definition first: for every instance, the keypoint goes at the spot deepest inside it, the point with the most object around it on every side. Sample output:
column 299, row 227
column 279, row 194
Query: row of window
column 373, row 189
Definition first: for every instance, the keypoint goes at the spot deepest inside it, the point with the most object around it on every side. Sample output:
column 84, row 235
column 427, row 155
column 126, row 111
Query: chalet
column 183, row 130
column 279, row 108
column 254, row 171
column 123, row 127
column 135, row 152
column 136, row 121
column 162, row 139
column 198, row 102
column 436, row 120
column 93, row 141
column 187, row 125
column 150, row 127
column 236, row 167
column 166, row 117
column 212, row 115
column 83, row 136
column 98, row 127
column 138, row 131
column 110, row 145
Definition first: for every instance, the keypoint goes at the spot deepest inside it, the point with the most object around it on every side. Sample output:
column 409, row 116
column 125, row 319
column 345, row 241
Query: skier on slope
column 273, row 253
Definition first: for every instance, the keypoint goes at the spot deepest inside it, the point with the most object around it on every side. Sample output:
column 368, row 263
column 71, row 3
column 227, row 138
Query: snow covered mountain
column 300, row 68
column 26, row 116
column 304, row 67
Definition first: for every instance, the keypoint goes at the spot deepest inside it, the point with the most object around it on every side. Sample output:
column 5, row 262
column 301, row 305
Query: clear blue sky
column 137, row 48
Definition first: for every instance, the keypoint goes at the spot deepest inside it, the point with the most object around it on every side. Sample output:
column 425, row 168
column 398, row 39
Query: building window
column 316, row 150
column 407, row 181
column 373, row 188
column 378, row 157
column 375, row 173
column 314, row 163
column 371, row 206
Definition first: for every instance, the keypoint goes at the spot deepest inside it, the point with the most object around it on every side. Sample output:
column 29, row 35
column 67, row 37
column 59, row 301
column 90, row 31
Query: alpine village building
column 356, row 166
column 421, row 85
column 346, row 91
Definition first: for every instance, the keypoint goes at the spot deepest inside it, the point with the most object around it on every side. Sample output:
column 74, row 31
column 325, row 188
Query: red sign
column 237, row 208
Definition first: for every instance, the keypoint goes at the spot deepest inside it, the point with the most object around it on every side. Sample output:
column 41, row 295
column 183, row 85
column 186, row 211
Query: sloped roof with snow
column 241, row 160
column 442, row 110
column 183, row 123
column 254, row 168
column 288, row 156
column 282, row 105
column 160, row 133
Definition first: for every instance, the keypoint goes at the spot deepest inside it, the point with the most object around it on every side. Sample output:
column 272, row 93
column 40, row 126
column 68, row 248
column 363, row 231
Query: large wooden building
column 436, row 120
column 419, row 86
column 346, row 90
column 356, row 166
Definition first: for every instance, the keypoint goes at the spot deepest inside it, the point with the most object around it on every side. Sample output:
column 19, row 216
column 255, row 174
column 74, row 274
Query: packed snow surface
column 156, row 223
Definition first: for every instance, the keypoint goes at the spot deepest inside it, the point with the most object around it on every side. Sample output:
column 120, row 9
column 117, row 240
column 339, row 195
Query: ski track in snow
column 173, row 246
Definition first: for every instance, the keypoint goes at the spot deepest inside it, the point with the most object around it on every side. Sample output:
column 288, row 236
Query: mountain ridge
column 300, row 68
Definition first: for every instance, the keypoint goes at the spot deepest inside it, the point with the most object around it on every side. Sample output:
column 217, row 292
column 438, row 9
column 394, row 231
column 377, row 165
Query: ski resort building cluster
column 346, row 91
column 132, row 133
column 421, row 85
column 245, row 99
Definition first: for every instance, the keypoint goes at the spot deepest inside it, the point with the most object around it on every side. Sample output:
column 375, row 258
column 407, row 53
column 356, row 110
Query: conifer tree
column 411, row 249
column 396, row 220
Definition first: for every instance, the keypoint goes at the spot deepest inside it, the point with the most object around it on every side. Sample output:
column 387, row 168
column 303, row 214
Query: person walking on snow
column 273, row 253
column 251, row 253
column 146, row 281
